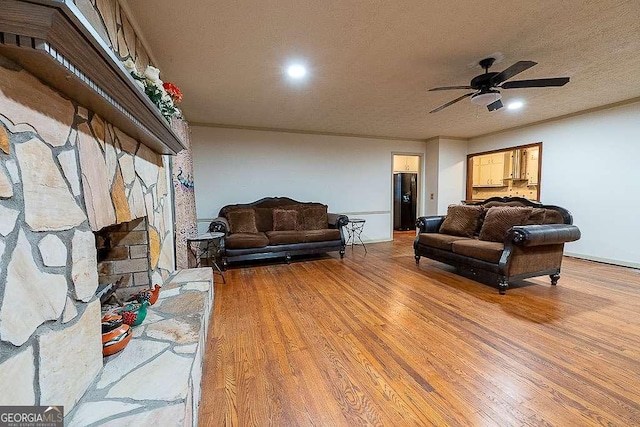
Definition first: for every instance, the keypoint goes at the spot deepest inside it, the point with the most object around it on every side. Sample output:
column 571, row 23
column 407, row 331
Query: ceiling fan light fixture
column 485, row 98
column 296, row 71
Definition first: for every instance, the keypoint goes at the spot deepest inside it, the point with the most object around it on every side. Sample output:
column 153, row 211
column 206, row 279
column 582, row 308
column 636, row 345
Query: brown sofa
column 498, row 240
column 277, row 227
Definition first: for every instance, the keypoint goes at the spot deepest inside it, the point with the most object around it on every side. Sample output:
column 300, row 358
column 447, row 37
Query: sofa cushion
column 246, row 240
column 499, row 220
column 264, row 219
column 324, row 235
column 285, row 219
column 440, row 241
column 242, row 221
column 288, row 237
column 479, row 249
column 461, row 220
column 285, row 237
column 314, row 217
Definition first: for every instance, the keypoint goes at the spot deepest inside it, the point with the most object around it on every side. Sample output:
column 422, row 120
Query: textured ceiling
column 371, row 62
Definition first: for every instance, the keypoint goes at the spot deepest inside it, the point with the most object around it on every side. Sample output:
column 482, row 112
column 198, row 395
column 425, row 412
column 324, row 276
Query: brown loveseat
column 498, row 240
column 277, row 227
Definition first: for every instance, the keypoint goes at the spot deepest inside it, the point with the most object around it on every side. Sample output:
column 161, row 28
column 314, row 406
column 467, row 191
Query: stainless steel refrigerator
column 404, row 200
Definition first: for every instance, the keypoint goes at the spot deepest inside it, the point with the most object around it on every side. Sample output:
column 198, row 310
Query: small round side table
column 208, row 251
column 354, row 230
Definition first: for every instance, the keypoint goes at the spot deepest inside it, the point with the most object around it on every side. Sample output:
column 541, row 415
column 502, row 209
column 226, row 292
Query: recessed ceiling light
column 296, row 71
column 515, row 105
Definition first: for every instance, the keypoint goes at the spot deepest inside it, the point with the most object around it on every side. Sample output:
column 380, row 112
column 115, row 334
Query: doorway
column 406, row 178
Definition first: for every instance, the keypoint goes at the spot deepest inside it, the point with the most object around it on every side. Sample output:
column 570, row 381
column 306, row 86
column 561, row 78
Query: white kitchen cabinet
column 406, row 163
column 532, row 165
column 488, row 170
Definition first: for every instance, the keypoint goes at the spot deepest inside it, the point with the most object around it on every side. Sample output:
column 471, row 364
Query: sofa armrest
column 547, row 234
column 429, row 224
column 337, row 220
column 220, row 225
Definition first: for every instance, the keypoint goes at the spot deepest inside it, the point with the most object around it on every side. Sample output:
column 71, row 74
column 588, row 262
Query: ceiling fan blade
column 496, row 105
column 557, row 81
column 451, row 102
column 516, row 68
column 449, row 88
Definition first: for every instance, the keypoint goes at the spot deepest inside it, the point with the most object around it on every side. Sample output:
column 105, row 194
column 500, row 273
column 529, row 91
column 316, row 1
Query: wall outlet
column 431, row 197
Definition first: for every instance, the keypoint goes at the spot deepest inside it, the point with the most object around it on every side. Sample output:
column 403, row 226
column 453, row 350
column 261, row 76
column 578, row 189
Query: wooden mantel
column 52, row 40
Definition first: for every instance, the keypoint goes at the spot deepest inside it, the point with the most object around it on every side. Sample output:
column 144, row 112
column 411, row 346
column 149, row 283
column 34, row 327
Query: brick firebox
column 123, row 250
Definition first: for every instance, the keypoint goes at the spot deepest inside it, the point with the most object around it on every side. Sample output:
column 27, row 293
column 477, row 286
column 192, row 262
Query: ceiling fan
column 486, row 85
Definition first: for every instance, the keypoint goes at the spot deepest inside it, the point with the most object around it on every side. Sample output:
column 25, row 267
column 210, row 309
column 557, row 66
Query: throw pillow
column 242, row 221
column 461, row 220
column 552, row 216
column 537, row 216
column 264, row 219
column 285, row 219
column 499, row 220
column 314, row 217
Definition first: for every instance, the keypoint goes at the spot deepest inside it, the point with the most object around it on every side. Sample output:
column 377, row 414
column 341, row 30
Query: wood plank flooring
column 375, row 340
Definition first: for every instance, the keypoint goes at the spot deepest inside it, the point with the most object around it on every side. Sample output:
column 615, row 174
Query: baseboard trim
column 604, row 260
column 366, row 213
column 376, row 241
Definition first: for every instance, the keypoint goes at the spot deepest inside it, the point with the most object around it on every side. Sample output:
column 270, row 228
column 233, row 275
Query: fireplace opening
column 123, row 253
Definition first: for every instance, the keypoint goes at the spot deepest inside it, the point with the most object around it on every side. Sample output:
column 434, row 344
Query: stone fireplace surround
column 64, row 173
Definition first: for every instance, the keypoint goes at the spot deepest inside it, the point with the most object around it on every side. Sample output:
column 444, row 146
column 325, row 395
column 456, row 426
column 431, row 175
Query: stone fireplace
column 67, row 172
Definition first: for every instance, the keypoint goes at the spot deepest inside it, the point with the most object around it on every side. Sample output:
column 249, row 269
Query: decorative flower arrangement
column 164, row 95
column 173, row 92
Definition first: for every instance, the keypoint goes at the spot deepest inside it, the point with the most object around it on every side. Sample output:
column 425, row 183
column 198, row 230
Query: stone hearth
column 155, row 380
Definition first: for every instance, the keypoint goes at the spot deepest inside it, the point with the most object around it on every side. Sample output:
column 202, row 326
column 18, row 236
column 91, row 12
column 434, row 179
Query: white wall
column 351, row 175
column 591, row 166
column 431, row 176
column 452, row 173
column 445, row 174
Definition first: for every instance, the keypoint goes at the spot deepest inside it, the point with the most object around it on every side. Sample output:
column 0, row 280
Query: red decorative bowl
column 115, row 340
column 110, row 322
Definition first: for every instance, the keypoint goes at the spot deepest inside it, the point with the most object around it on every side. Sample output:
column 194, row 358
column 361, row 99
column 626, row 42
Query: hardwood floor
column 375, row 340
